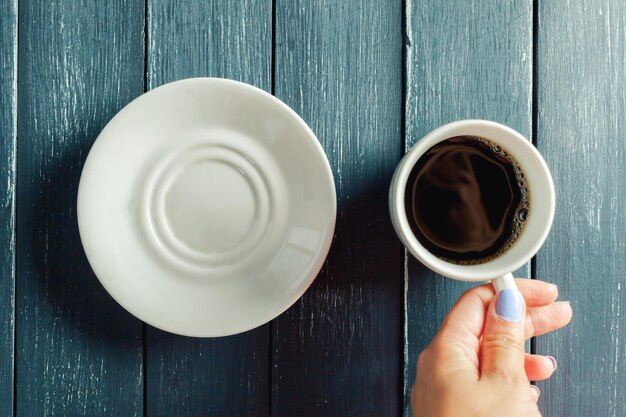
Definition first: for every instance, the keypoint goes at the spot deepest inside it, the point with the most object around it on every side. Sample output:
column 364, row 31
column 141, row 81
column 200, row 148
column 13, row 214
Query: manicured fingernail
column 510, row 305
column 553, row 362
column 536, row 388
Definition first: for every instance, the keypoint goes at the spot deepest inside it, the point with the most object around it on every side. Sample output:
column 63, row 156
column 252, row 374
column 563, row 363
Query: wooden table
column 370, row 77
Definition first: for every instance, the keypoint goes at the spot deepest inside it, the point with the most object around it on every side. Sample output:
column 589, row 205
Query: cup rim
column 399, row 217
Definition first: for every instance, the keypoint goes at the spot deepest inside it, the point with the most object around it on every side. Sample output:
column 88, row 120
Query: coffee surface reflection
column 467, row 200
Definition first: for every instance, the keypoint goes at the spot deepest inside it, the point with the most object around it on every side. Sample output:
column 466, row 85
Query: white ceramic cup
column 541, row 212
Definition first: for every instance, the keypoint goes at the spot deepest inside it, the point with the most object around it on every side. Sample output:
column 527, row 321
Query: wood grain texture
column 463, row 60
column 224, row 376
column 337, row 351
column 8, row 144
column 581, row 94
column 78, row 352
column 217, row 38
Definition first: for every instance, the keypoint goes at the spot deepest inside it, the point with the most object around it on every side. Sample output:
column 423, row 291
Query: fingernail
column 553, row 362
column 510, row 305
column 536, row 388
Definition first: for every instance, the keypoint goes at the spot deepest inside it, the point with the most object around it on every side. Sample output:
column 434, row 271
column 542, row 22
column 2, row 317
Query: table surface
column 370, row 77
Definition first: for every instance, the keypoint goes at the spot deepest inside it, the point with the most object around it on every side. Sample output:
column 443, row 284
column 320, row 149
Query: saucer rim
column 323, row 248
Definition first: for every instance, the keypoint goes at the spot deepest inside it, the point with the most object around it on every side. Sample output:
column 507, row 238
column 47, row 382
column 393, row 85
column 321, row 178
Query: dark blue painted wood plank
column 337, row 351
column 463, row 60
column 78, row 352
column 8, row 125
column 581, row 101
column 225, row 376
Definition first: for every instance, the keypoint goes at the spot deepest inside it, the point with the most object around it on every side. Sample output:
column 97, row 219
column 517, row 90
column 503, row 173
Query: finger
column 463, row 326
column 537, row 293
column 535, row 392
column 457, row 340
column 541, row 320
column 466, row 319
column 539, row 367
column 467, row 316
column 502, row 350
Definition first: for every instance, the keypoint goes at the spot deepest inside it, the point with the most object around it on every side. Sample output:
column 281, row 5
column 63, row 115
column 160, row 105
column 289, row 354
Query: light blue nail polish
column 510, row 305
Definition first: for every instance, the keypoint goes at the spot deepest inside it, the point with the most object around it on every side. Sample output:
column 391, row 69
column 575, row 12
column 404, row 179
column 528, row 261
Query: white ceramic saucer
column 206, row 207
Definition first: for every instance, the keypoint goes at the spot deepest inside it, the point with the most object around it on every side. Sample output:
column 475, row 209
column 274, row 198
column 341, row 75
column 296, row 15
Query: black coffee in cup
column 467, row 200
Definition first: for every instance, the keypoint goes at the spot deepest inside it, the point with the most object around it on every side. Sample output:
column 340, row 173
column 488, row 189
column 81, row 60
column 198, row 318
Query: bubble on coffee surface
column 519, row 217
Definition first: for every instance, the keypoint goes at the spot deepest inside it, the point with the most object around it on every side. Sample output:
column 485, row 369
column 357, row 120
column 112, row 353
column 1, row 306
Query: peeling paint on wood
column 336, row 351
column 78, row 353
column 8, row 142
column 581, row 93
column 339, row 350
column 463, row 60
column 225, row 376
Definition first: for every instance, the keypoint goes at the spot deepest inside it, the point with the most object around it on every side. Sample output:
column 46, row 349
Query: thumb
column 502, row 350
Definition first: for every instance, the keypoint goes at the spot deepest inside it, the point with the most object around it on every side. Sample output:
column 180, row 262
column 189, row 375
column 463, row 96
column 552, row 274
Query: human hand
column 476, row 365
